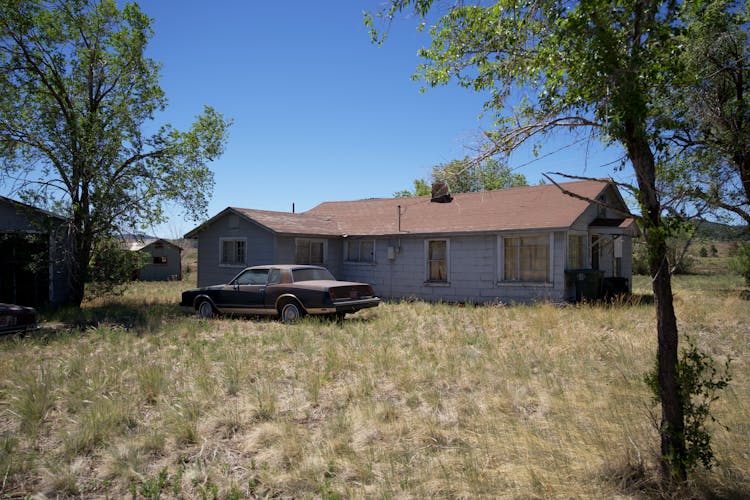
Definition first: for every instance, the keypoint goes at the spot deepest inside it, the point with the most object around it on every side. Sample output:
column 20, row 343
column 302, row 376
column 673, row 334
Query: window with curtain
column 526, row 258
column 576, row 251
column 437, row 261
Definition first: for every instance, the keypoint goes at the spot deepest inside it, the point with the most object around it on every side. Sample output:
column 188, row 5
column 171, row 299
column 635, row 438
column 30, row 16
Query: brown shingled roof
column 532, row 207
column 516, row 209
column 285, row 222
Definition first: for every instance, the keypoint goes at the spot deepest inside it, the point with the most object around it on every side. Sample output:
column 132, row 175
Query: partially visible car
column 15, row 318
column 288, row 292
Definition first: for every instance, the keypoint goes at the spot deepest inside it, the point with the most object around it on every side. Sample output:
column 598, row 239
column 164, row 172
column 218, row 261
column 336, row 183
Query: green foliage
column 77, row 93
column 741, row 261
column 699, row 382
column 711, row 106
column 465, row 176
column 679, row 238
column 112, row 267
column 151, row 487
column 421, row 188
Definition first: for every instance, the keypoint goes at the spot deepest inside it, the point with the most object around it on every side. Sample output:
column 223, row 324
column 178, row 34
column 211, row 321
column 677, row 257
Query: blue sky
column 320, row 113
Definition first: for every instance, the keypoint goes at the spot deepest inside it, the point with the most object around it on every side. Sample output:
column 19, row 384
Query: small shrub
column 741, row 261
column 699, row 383
column 703, row 252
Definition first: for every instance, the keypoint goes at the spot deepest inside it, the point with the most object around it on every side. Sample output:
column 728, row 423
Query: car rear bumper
column 346, row 306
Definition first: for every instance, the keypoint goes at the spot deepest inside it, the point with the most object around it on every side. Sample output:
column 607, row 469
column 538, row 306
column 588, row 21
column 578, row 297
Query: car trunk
column 351, row 292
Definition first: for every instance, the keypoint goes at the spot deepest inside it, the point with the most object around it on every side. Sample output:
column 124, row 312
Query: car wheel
column 291, row 311
column 205, row 309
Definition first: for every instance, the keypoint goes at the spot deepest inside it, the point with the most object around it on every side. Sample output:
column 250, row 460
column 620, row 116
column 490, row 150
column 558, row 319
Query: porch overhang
column 620, row 226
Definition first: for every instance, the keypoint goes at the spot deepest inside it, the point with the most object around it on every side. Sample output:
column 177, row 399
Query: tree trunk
column 672, row 425
column 81, row 242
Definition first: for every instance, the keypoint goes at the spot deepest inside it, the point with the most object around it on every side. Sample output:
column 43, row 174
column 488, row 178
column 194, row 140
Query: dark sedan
column 285, row 291
column 15, row 318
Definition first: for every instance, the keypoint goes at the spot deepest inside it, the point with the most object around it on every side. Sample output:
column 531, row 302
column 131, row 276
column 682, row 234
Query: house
column 513, row 245
column 33, row 244
column 163, row 261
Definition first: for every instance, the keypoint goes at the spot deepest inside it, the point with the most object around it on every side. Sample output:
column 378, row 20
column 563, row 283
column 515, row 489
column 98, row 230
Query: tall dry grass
column 134, row 397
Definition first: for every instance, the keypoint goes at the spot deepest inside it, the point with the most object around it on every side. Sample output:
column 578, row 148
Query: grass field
column 134, row 397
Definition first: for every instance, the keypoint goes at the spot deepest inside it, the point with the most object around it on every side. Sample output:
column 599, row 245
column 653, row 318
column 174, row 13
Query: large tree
column 711, row 105
column 469, row 176
column 599, row 65
column 77, row 104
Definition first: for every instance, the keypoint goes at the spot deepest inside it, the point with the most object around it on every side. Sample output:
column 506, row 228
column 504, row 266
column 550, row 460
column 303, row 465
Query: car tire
column 205, row 309
column 291, row 311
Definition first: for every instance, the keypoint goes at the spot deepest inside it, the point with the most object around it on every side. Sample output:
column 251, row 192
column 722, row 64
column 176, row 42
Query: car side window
column 252, row 277
column 274, row 276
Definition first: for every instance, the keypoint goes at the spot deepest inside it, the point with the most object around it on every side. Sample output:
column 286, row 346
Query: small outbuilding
column 33, row 250
column 163, row 261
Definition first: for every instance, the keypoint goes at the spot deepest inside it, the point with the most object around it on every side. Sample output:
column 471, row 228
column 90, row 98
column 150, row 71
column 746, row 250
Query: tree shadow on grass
column 136, row 318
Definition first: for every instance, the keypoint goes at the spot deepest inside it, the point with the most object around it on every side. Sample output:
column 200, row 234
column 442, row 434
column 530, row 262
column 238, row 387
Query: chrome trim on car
column 250, row 310
column 321, row 310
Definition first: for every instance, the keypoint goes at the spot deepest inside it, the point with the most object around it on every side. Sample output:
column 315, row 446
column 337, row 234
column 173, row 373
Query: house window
column 618, row 256
column 576, row 251
column 437, row 261
column 233, row 252
column 527, row 258
column 360, row 251
column 309, row 251
column 160, row 260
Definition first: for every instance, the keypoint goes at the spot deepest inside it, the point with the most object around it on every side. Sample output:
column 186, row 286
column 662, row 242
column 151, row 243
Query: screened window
column 360, row 251
column 576, row 251
column 233, row 252
column 527, row 258
column 309, row 252
column 437, row 261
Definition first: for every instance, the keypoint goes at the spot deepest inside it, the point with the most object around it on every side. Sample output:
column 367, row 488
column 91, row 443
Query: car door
column 246, row 293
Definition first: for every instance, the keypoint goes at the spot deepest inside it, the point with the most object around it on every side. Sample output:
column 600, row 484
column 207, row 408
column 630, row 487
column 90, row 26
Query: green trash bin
column 587, row 282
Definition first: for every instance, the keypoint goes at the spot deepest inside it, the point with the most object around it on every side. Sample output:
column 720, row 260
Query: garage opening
column 24, row 274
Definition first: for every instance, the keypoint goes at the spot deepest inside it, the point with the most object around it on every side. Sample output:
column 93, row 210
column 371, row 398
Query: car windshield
column 311, row 274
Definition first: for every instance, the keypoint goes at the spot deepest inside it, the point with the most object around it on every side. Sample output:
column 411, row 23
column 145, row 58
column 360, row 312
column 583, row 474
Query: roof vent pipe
column 441, row 193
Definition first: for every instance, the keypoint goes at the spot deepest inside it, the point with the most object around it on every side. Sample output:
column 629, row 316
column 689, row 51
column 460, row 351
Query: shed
column 164, row 261
column 33, row 244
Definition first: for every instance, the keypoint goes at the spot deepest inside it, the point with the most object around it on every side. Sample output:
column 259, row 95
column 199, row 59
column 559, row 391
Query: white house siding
column 472, row 271
column 259, row 248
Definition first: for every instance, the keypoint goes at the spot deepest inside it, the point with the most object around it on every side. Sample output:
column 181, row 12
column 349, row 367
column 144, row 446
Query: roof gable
column 135, row 245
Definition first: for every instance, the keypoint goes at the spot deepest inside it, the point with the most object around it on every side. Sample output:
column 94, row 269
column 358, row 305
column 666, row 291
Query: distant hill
column 723, row 232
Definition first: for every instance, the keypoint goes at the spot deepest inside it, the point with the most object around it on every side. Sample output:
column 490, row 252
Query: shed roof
column 515, row 209
column 136, row 245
